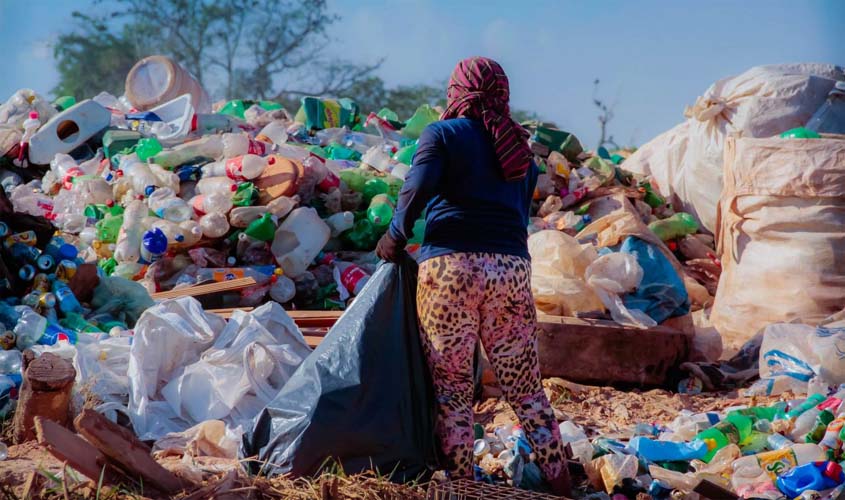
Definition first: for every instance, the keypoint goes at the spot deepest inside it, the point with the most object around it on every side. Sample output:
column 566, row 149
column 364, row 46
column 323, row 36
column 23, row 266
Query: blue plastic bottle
column 68, row 302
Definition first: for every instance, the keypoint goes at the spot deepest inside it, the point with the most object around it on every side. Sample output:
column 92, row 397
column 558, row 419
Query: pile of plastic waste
column 792, row 449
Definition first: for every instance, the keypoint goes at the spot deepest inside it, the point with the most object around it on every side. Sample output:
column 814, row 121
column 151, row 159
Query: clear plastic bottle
column 283, row 290
column 209, row 146
column 240, row 168
column 164, row 203
column 830, row 117
column 10, row 361
column 243, row 216
column 214, row 224
column 29, row 199
column 218, row 185
column 29, row 329
column 139, row 175
column 215, row 203
column 274, row 133
column 30, row 126
column 183, row 235
column 340, row 222
column 128, row 246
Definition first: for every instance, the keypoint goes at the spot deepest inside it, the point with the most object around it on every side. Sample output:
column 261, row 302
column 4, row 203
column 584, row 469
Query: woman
column 473, row 173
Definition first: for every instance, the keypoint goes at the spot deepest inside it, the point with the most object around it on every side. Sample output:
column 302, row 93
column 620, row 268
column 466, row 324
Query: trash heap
column 791, row 449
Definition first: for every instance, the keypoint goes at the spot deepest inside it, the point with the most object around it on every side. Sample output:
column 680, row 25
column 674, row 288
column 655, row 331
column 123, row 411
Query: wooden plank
column 315, row 319
column 77, row 452
column 123, row 447
column 194, row 291
column 604, row 352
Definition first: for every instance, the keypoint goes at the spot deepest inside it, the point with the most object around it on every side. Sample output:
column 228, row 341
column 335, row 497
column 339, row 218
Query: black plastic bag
column 362, row 399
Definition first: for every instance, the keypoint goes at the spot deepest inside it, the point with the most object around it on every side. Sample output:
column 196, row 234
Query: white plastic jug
column 298, row 240
column 67, row 130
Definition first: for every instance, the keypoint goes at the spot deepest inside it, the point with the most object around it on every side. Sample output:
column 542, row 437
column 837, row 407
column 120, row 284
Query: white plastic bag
column 792, row 354
column 612, row 275
column 101, row 367
column 686, row 161
column 189, row 372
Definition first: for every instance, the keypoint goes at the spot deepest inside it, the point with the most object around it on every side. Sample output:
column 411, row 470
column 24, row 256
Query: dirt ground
column 602, row 411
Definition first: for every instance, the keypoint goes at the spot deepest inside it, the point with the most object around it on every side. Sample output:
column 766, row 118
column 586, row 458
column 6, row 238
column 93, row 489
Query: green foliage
column 93, row 59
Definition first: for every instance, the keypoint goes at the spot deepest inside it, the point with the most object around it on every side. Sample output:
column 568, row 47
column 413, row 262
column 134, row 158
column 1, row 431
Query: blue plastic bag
column 661, row 294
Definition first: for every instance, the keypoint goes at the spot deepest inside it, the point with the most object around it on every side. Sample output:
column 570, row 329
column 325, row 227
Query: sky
column 652, row 57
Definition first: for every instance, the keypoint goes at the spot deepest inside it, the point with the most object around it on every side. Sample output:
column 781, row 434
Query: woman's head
column 478, row 89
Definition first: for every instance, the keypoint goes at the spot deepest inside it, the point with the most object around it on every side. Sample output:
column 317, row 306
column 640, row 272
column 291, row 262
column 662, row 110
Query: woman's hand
column 389, row 249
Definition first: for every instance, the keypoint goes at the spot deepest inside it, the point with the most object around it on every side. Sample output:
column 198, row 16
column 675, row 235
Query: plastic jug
column 157, row 79
column 67, row 130
column 298, row 240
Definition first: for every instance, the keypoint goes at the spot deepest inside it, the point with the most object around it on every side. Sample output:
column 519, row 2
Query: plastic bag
column 792, row 354
column 612, row 275
column 558, row 263
column 188, row 366
column 368, row 374
column 124, row 299
column 661, row 293
column 101, row 367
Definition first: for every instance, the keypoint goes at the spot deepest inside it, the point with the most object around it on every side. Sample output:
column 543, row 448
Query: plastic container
column 158, row 79
column 830, row 117
column 177, row 115
column 153, row 245
column 298, row 240
column 239, row 168
column 676, row 226
column 68, row 130
column 779, row 461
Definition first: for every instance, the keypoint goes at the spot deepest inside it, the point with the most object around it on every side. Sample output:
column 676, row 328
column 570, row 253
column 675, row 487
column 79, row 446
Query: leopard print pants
column 462, row 297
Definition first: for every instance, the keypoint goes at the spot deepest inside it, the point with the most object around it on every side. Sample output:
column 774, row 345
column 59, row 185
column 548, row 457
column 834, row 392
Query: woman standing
column 473, row 173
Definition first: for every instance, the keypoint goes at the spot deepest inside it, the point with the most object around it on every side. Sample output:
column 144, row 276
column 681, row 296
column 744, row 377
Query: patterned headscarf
column 478, row 89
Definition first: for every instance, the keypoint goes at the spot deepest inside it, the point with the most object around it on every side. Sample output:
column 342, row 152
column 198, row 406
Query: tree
column 235, row 48
column 605, row 116
column 93, row 59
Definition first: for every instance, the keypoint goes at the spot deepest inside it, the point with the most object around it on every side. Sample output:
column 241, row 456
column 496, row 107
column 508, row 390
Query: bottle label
column 199, row 200
column 26, row 238
column 330, row 182
column 777, row 462
column 227, row 274
column 257, row 148
column 729, row 430
column 234, row 168
column 351, row 276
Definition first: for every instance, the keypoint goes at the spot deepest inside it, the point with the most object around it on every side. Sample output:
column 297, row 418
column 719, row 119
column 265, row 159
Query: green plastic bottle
column 380, row 211
column 770, row 413
column 677, row 226
column 355, row 178
column 800, row 133
column 394, row 186
column 147, row 148
column 77, row 323
column 339, row 152
column 374, row 187
column 64, row 102
column 406, row 154
column 362, row 236
column 108, row 228
column 811, row 402
column 263, row 228
column 817, row 432
column 734, row 429
column 246, row 195
column 653, row 199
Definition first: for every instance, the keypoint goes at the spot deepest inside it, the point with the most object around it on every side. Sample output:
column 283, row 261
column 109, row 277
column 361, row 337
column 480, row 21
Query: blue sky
column 653, row 57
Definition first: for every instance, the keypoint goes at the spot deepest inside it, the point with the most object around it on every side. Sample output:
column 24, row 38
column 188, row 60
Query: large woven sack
column 781, row 234
column 686, row 161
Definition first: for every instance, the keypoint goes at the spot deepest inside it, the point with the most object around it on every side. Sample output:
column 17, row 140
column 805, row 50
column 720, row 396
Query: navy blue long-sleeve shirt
column 470, row 207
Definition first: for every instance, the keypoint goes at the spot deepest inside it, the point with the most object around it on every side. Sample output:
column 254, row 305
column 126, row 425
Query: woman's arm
column 420, row 185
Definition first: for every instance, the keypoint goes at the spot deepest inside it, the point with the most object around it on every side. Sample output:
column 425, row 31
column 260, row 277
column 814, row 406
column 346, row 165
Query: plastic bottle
column 832, row 438
column 676, row 226
column 214, row 203
column 147, row 148
column 770, row 413
column 183, row 235
column 340, row 222
column 67, row 301
column 298, row 240
column 217, row 185
column 153, row 245
column 362, row 236
column 804, row 423
column 239, row 144
column 380, row 211
column 128, row 247
column 659, row 451
column 214, row 224
column 283, row 290
column 830, row 117
column 350, row 276
column 140, row 176
column 209, row 146
column 274, row 133
column 30, row 126
column 779, row 461
column 29, row 328
column 164, row 203
column 29, row 200
column 239, row 168
column 778, row 442
column 812, row 401
column 263, row 228
column 733, row 429
column 374, row 187
column 805, row 482
column 243, row 216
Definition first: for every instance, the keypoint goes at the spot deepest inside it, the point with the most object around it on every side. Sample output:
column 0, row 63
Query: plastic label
column 257, row 148
column 351, row 276
column 227, row 274
column 235, row 168
column 777, row 462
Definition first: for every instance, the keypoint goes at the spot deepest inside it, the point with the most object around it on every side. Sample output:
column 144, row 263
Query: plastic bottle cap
column 234, row 188
column 67, row 252
column 149, row 190
column 110, row 203
column 180, row 238
column 155, row 241
column 271, row 160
